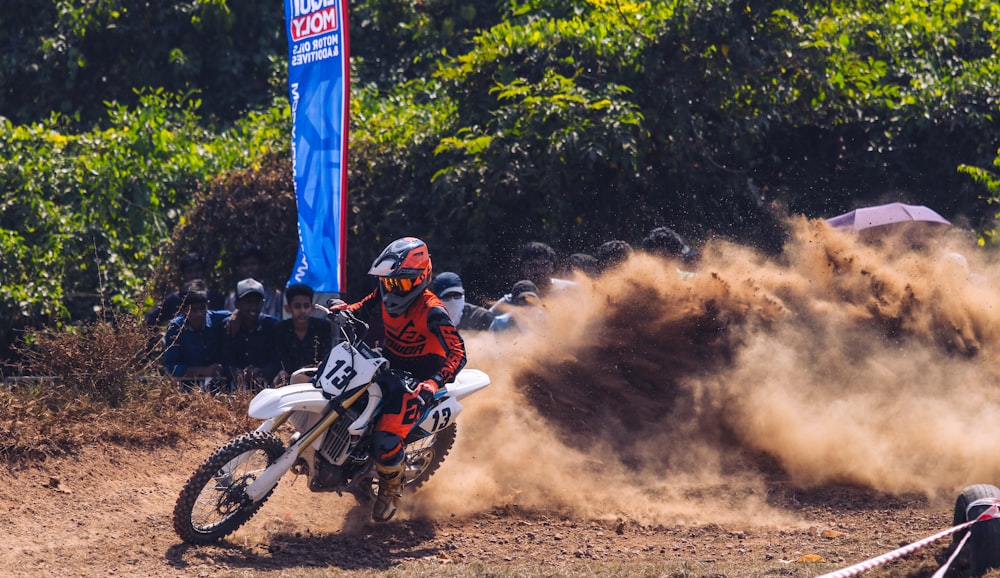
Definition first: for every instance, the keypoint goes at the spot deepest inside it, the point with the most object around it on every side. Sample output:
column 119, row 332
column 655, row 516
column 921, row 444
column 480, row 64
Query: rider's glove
column 336, row 305
column 426, row 391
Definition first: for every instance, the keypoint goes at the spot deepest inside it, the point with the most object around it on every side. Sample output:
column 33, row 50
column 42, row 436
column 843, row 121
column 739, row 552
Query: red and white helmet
column 404, row 271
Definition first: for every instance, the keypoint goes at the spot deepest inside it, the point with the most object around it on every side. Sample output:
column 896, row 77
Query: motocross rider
column 419, row 339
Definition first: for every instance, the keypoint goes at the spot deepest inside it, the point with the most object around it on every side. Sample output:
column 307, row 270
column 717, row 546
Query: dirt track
column 108, row 513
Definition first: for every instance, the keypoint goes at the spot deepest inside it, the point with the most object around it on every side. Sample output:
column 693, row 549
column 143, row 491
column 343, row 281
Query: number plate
column 346, row 368
column 441, row 416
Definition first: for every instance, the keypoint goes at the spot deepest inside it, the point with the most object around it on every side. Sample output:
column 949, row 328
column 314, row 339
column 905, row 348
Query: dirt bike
column 321, row 429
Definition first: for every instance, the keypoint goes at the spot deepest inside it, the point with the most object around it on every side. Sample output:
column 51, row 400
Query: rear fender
column 467, row 381
column 444, row 413
column 440, row 416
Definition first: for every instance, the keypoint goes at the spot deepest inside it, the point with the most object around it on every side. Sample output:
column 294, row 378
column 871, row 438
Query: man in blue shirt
column 193, row 342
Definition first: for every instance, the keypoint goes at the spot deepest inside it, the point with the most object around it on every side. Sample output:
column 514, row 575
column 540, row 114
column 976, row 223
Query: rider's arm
column 441, row 327
column 368, row 304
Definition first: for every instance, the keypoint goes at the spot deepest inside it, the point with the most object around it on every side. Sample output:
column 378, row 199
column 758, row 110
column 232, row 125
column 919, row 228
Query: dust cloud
column 868, row 361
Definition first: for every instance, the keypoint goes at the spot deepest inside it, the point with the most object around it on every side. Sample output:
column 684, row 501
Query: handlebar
column 346, row 324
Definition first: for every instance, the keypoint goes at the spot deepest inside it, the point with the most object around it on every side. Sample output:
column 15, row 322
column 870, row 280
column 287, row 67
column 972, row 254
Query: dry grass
column 101, row 361
column 101, row 386
column 43, row 421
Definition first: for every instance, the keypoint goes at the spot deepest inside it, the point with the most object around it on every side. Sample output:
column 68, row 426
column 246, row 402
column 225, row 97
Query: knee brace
column 388, row 449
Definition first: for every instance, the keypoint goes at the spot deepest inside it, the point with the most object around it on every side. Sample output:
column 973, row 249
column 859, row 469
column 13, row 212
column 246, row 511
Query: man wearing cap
column 538, row 264
column 250, row 265
column 248, row 350
column 466, row 316
column 193, row 342
column 525, row 308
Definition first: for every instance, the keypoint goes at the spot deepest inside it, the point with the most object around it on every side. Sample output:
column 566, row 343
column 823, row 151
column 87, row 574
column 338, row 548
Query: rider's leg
column 389, row 463
column 400, row 413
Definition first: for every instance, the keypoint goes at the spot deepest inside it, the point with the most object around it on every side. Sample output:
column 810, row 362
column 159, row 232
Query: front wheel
column 214, row 503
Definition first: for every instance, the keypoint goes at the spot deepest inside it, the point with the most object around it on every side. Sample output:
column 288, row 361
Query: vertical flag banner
column 318, row 86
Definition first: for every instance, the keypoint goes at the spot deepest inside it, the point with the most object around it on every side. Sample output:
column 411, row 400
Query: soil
column 108, row 512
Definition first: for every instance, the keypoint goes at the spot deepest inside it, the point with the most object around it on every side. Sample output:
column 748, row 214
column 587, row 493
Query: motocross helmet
column 403, row 270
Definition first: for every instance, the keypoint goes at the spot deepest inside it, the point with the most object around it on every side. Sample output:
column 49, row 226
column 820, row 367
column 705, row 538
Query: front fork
column 273, row 423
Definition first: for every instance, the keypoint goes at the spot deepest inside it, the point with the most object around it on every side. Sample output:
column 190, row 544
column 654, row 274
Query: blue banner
column 318, row 86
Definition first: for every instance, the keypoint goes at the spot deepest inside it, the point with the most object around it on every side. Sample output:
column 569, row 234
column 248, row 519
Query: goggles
column 397, row 286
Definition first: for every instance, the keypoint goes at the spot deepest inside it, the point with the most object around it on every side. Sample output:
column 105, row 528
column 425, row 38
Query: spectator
column 249, row 261
column 193, row 343
column 538, row 263
column 583, row 263
column 248, row 349
column 666, row 243
column 191, row 267
column 611, row 254
column 466, row 316
column 523, row 299
column 301, row 340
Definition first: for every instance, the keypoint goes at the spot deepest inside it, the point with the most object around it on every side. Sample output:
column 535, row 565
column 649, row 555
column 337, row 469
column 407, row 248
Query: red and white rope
column 944, row 569
column 992, row 512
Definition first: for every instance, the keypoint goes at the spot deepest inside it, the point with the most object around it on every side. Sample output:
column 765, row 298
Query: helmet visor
column 397, row 286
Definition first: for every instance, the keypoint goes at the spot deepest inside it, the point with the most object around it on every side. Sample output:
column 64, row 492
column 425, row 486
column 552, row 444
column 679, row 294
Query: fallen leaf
column 810, row 558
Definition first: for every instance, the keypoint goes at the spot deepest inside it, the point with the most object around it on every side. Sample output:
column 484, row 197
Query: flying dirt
column 645, row 395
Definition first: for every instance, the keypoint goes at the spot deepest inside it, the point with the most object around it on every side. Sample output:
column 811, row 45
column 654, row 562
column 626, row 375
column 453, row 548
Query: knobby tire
column 982, row 552
column 424, row 457
column 213, row 503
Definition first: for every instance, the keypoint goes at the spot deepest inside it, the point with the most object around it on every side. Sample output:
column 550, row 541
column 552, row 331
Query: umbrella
column 880, row 215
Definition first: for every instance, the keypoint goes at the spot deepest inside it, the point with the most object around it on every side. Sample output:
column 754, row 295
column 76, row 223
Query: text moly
column 302, row 7
column 320, row 22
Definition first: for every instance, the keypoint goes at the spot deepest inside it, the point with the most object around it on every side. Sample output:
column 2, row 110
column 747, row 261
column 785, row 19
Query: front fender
column 271, row 403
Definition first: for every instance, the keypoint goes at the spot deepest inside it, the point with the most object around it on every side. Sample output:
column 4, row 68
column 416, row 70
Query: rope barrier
column 992, row 512
column 943, row 569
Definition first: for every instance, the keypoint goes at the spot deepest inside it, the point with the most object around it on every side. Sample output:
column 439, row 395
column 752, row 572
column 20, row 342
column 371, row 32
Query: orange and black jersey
column 422, row 341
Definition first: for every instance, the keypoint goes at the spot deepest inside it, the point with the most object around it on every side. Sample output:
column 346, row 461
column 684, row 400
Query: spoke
column 221, row 499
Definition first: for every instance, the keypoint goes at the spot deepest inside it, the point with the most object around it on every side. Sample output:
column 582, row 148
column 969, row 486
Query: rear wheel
column 982, row 552
column 214, row 503
column 425, row 456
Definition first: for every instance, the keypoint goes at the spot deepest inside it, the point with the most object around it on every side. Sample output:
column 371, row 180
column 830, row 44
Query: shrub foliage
column 476, row 125
column 101, row 362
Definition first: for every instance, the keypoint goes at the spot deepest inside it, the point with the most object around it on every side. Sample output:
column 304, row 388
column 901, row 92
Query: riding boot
column 390, row 492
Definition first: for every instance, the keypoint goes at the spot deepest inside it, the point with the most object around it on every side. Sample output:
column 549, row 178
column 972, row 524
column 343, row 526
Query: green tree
column 72, row 56
column 84, row 214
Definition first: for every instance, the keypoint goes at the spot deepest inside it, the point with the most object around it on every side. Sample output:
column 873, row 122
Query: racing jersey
column 422, row 341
